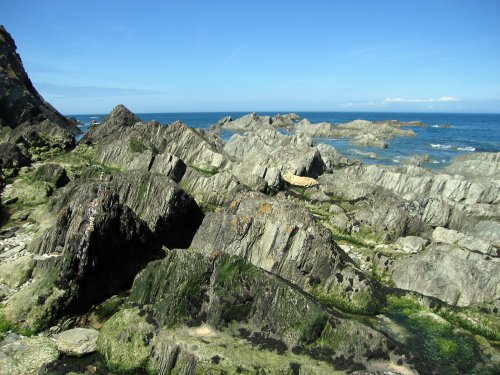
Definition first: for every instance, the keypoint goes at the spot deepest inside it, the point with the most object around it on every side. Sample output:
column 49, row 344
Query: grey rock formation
column 451, row 273
column 211, row 189
column 360, row 132
column 121, row 116
column 13, row 156
column 412, row 244
column 171, row 214
column 260, row 158
column 283, row 238
column 477, row 166
column 136, row 145
column 245, row 123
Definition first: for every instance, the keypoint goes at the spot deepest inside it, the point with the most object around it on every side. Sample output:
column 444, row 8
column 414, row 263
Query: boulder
column 412, row 244
column 171, row 214
column 52, row 173
column 261, row 158
column 16, row 272
column 77, row 341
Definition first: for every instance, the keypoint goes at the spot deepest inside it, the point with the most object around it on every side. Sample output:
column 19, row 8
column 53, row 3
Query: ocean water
column 462, row 133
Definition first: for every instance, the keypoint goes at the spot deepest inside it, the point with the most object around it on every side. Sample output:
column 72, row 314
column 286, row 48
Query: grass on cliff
column 208, row 172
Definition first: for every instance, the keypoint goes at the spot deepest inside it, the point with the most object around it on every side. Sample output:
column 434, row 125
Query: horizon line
column 294, row 111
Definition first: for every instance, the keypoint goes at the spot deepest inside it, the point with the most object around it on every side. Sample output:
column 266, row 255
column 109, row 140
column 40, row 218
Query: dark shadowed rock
column 93, row 251
column 13, row 156
column 171, row 214
column 52, row 173
column 20, row 103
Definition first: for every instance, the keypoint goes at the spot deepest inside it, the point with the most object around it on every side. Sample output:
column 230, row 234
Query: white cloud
column 442, row 99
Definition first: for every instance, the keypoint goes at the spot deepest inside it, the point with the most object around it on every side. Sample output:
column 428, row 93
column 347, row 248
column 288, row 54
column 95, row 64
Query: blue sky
column 181, row 56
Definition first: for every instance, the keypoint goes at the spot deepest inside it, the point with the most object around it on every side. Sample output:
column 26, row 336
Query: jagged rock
column 52, row 173
column 220, row 290
column 285, row 121
column 320, row 130
column 376, row 210
column 261, row 158
column 25, row 356
column 168, row 165
column 442, row 200
column 93, row 251
column 450, row 273
column 245, row 123
column 332, row 158
column 159, row 148
column 417, row 160
column 171, row 214
column 361, row 132
column 368, row 140
column 212, row 189
column 282, row 237
column 23, row 109
column 121, row 116
column 452, row 237
column 77, row 341
column 484, row 166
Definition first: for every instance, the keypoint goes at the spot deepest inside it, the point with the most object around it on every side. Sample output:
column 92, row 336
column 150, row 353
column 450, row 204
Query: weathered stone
column 299, row 180
column 124, row 340
column 53, row 173
column 101, row 245
column 77, row 341
column 412, row 244
column 16, row 272
column 450, row 273
column 27, row 355
column 20, row 103
column 284, row 238
column 221, row 290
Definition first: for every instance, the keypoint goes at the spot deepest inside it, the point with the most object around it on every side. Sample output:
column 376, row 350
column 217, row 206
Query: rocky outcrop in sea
column 160, row 248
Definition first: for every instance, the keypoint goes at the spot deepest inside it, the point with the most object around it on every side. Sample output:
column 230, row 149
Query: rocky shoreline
column 160, row 248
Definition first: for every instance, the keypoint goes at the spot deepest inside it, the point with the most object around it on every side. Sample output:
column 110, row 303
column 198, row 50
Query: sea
column 446, row 135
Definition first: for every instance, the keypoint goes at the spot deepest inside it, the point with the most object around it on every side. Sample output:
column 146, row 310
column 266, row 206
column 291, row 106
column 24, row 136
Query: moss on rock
column 124, row 340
